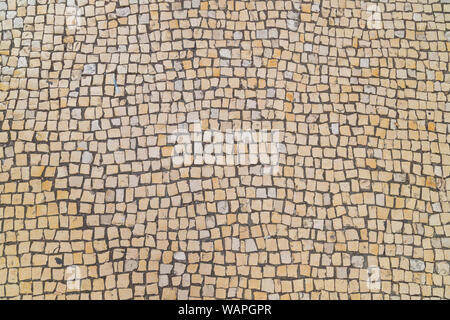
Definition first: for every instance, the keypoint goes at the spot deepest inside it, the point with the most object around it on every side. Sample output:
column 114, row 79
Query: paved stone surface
column 95, row 203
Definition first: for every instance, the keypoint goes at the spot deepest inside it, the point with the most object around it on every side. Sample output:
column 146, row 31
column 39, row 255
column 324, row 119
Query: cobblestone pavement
column 94, row 95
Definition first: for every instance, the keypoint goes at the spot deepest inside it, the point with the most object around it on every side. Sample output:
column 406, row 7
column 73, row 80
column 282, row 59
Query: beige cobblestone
column 94, row 102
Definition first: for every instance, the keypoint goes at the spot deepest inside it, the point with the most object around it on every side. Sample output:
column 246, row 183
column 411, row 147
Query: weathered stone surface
column 224, row 149
column 417, row 265
column 89, row 69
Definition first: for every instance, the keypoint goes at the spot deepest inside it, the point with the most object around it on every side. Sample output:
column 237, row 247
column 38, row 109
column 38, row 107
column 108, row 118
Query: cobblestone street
column 170, row 149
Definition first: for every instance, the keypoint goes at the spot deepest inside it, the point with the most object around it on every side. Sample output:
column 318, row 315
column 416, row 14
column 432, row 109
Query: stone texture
column 118, row 179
